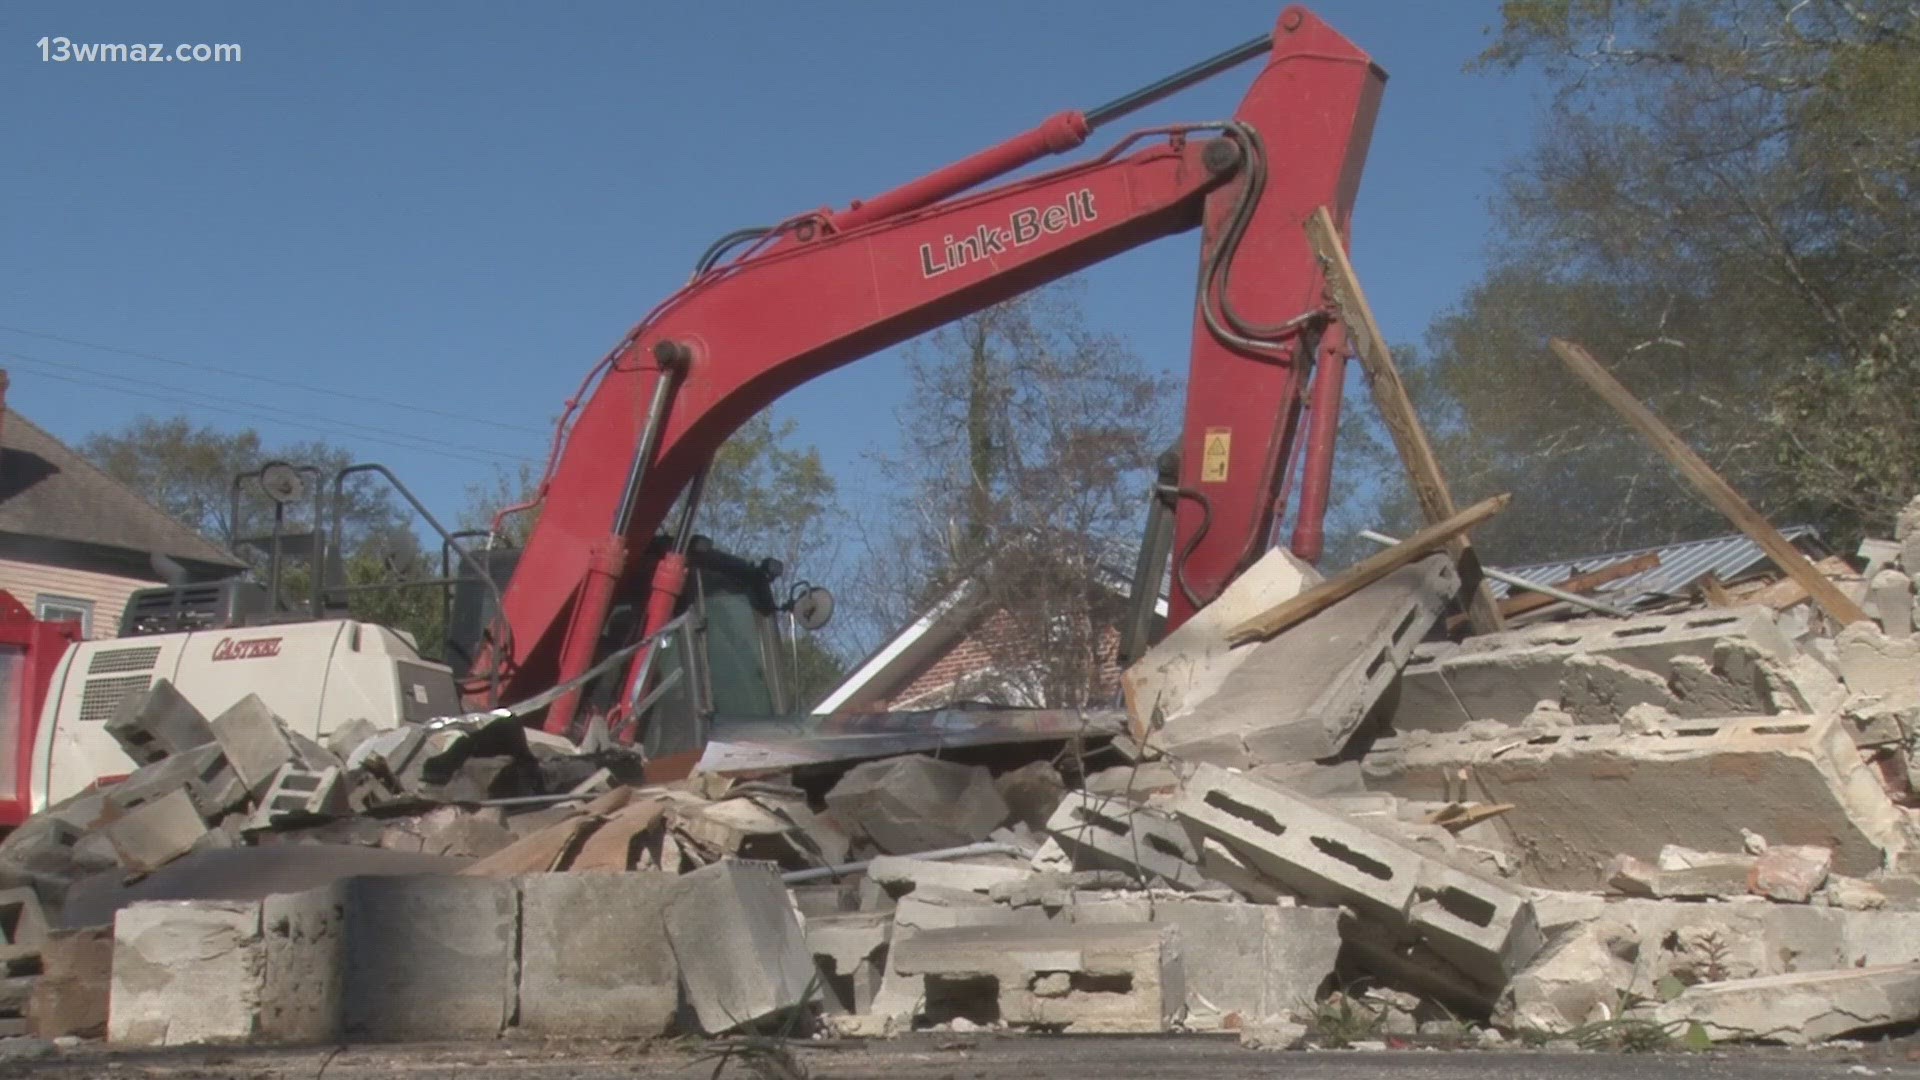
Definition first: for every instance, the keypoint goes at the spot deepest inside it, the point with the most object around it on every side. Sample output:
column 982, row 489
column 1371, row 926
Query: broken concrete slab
column 1241, row 961
column 1871, row 662
column 1790, row 873
column 1119, row 834
column 1892, row 595
column 1584, row 795
column 391, row 959
column 1079, row 978
column 157, row 832
column 186, row 972
column 594, row 957
column 1719, row 878
column 158, row 724
column 917, row 803
column 850, row 950
column 75, row 983
column 1582, row 977
column 743, row 955
column 1501, row 677
column 1301, row 695
column 1799, row 1009
column 901, row 873
column 1188, row 665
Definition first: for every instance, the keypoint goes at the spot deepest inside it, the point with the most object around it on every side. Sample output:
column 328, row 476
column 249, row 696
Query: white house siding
column 108, row 593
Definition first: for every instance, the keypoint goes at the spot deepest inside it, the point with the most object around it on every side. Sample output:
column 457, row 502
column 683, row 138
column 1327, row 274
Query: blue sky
column 412, row 234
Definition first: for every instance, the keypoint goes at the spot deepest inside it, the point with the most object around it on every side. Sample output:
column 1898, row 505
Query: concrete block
column 850, row 950
column 1790, row 873
column 1079, row 978
column 1119, row 834
column 1737, row 681
column 155, row 833
column 23, row 924
column 1799, row 1009
column 1583, row 796
column 1597, row 689
column 255, row 742
column 342, row 741
column 1871, row 662
column 595, row 962
column 76, row 974
column 1220, row 863
column 1301, row 695
column 204, row 773
column 1892, row 595
column 1240, row 960
column 1300, row 846
column 1188, row 665
column 158, row 724
column 902, row 873
column 1426, row 702
column 1392, row 957
column 300, row 794
column 391, row 959
column 917, row 803
column 1580, row 978
column 1486, row 930
column 186, row 972
column 743, row 953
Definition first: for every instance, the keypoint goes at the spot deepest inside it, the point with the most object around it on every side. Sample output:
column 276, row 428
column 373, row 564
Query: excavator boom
column 827, row 288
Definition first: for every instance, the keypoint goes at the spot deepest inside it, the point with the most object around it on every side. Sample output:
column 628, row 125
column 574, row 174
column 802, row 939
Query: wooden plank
column 1364, row 573
column 1396, row 409
column 1714, row 592
column 610, row 848
column 1708, row 483
column 536, row 853
column 1580, row 584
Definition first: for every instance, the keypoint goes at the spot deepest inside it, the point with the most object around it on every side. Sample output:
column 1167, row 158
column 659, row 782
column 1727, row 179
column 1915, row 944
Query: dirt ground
column 951, row 1057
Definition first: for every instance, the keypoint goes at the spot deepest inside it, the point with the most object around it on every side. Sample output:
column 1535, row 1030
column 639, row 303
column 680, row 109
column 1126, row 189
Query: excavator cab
column 732, row 655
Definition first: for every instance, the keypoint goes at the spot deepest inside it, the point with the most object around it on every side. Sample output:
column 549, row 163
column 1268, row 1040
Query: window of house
column 65, row 609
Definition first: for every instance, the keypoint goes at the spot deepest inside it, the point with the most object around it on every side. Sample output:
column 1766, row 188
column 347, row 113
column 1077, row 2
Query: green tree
column 188, row 471
column 1024, row 460
column 1721, row 204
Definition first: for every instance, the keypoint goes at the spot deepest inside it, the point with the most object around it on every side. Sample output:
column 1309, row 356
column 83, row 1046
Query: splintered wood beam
column 1366, row 572
column 1709, row 483
column 1396, row 409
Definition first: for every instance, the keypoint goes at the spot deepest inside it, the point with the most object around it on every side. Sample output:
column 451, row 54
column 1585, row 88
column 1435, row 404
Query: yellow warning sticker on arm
column 1213, row 458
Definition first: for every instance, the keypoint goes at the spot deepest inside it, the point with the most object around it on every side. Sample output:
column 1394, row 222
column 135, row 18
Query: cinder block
column 23, row 924
column 917, row 803
column 203, row 771
column 1426, row 702
column 186, row 972
column 1487, row 930
column 743, row 953
column 158, row 724
column 595, row 961
column 157, row 832
column 75, row 983
column 391, row 959
column 1120, row 834
column 255, row 741
column 300, row 793
column 1253, row 960
column 1301, row 846
column 1087, row 978
column 1584, row 795
column 850, row 949
column 1302, row 694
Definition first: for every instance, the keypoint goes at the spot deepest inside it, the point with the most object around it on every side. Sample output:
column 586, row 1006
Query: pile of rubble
column 1693, row 825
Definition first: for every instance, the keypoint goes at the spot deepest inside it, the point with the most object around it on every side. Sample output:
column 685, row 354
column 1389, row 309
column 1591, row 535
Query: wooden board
column 1579, row 585
column 537, row 853
column 610, row 848
column 1708, row 483
column 1396, row 410
column 1364, row 573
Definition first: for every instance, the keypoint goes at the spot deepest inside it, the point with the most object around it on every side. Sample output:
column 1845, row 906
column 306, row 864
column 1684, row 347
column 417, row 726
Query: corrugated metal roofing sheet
column 1682, row 564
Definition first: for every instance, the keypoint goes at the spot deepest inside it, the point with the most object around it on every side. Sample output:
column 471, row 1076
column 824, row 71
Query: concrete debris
column 593, row 955
column 850, row 951
column 1301, row 695
column 916, row 803
column 156, row 832
column 742, row 953
column 158, row 724
column 1801, row 1008
column 1698, row 881
column 1118, row 834
column 1790, row 873
column 1078, row 978
column 186, row 972
column 70, row 995
column 1032, row 792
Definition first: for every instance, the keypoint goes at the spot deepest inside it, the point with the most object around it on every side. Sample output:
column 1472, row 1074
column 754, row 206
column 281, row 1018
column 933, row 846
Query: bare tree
column 1022, row 476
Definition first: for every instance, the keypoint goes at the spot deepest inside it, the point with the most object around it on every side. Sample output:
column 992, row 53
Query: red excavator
column 767, row 309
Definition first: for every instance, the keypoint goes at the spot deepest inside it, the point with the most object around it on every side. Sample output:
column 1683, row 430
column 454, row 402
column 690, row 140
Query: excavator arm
column 827, row 288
